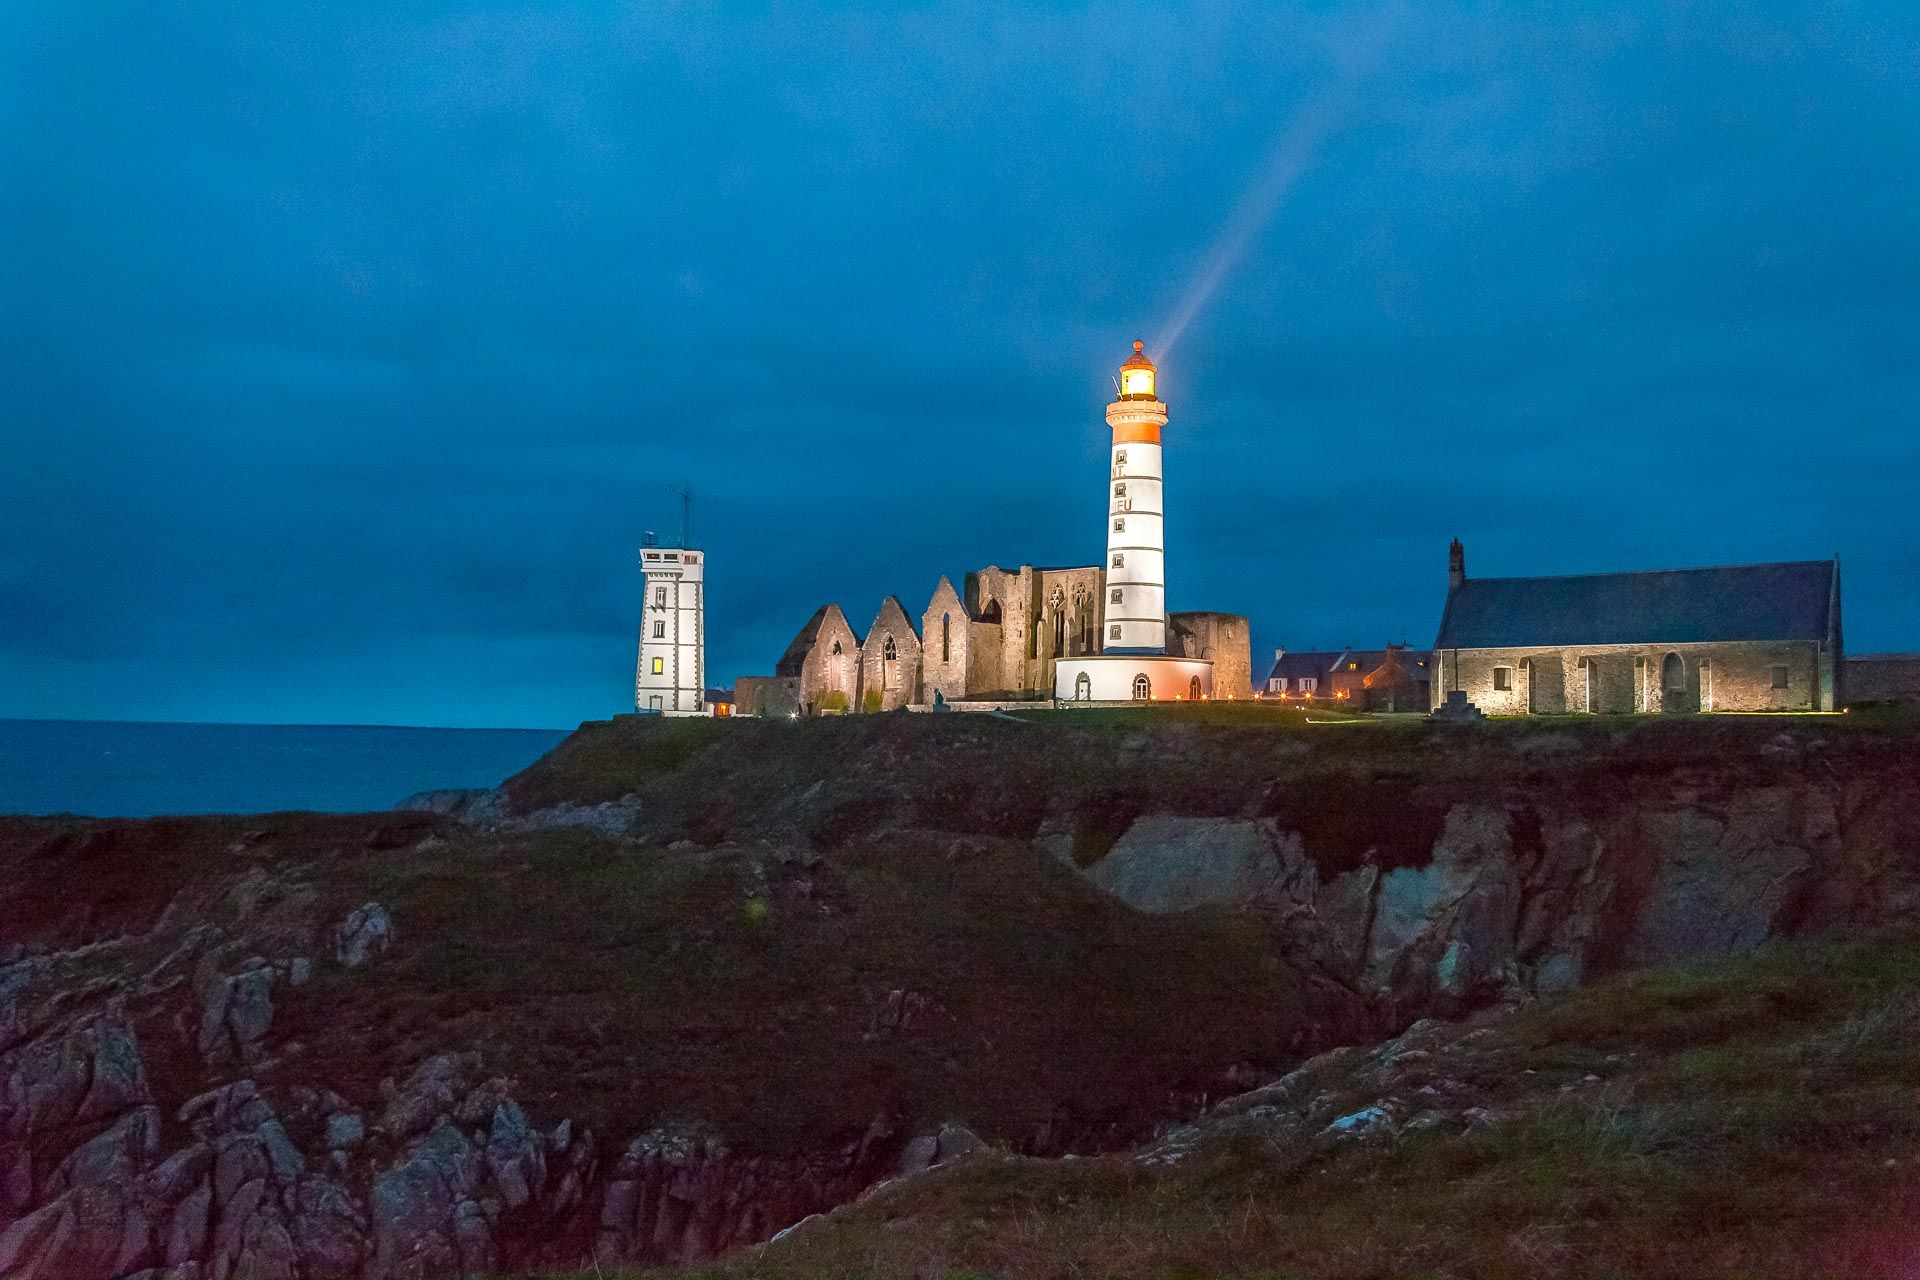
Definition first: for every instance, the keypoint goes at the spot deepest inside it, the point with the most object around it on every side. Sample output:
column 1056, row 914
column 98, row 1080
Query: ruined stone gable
column 890, row 660
column 825, row 659
column 946, row 631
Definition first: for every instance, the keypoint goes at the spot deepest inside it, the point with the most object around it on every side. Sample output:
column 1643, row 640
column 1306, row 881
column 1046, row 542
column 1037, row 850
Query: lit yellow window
column 1136, row 382
column 659, row 666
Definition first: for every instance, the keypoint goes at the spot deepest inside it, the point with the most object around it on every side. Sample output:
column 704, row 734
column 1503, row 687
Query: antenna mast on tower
column 685, row 490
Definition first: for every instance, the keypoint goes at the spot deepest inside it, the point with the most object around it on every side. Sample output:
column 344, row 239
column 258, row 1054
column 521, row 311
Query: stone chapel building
column 1755, row 637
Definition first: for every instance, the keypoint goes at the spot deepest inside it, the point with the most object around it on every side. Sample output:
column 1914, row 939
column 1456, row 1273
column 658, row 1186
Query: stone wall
column 832, row 665
column 1009, row 592
column 1882, row 677
column 1043, row 612
column 1623, row 679
column 1226, row 639
column 895, row 680
column 947, row 633
column 766, row 695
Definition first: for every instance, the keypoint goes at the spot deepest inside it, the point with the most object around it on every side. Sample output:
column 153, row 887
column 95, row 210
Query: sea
column 104, row 768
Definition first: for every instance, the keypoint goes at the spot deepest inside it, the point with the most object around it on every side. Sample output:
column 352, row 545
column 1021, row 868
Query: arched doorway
column 1193, row 689
column 1674, row 693
column 1083, row 688
column 1142, row 688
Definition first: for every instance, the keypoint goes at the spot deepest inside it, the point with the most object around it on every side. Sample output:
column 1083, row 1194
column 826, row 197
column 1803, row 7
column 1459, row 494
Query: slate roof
column 1789, row 601
column 1316, row 662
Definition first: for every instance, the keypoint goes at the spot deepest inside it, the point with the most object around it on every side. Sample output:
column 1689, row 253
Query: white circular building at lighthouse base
column 1132, row 677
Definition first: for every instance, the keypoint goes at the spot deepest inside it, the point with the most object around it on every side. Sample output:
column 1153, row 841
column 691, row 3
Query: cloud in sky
column 348, row 350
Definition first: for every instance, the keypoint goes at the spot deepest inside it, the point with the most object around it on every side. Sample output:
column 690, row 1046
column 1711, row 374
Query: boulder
column 514, row 1156
column 345, row 1131
column 429, row 1093
column 414, row 1202
column 1454, row 919
column 236, row 1013
column 937, row 1146
column 89, row 1072
column 366, row 932
column 329, row 1232
column 112, row 1156
column 90, row 1233
column 1721, row 879
column 1165, row 864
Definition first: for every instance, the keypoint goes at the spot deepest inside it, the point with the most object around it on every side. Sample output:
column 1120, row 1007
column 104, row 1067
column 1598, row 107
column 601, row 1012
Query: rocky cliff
column 682, row 986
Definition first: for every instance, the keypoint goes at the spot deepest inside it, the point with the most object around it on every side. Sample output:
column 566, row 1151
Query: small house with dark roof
column 1390, row 679
column 1756, row 637
column 1305, row 673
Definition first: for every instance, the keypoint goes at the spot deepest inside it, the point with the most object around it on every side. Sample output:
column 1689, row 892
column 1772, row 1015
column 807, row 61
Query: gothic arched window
column 887, row 651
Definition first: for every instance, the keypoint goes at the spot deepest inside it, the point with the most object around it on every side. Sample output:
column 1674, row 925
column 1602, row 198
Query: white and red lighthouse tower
column 1136, row 603
column 1133, row 665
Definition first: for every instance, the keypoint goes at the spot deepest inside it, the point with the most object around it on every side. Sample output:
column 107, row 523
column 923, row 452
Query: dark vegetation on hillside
column 772, row 995
column 735, row 972
column 1357, row 788
column 1735, row 1120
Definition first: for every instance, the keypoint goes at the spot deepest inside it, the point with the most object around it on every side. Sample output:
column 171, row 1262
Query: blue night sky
column 347, row 349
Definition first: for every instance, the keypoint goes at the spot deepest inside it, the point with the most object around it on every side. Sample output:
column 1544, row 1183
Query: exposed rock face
column 1165, row 863
column 1531, row 892
column 106, row 1173
column 467, row 1185
column 365, row 933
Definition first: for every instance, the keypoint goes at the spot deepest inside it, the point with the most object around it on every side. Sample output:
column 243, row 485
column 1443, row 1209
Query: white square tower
column 671, row 677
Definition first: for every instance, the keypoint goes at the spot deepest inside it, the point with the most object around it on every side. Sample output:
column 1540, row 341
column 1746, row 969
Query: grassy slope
column 1350, row 786
column 619, row 982
column 1752, row 1118
column 628, row 985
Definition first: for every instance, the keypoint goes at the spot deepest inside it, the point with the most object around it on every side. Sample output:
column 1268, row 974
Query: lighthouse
column 1136, row 517
column 1133, row 665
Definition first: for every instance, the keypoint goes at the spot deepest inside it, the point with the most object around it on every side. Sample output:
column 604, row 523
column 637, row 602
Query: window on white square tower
column 1114, row 596
column 1119, row 560
column 1119, row 524
column 659, row 666
column 1119, row 488
column 659, row 597
column 1113, row 632
column 660, row 630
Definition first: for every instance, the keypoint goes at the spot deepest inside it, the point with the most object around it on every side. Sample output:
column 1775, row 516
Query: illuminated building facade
column 1079, row 633
column 1134, row 664
column 1752, row 637
column 671, row 676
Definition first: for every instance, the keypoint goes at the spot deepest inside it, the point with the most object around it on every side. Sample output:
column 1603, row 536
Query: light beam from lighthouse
column 1136, row 606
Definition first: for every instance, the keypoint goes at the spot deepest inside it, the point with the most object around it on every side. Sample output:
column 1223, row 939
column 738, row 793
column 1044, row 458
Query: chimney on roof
column 1279, row 654
column 1456, row 564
